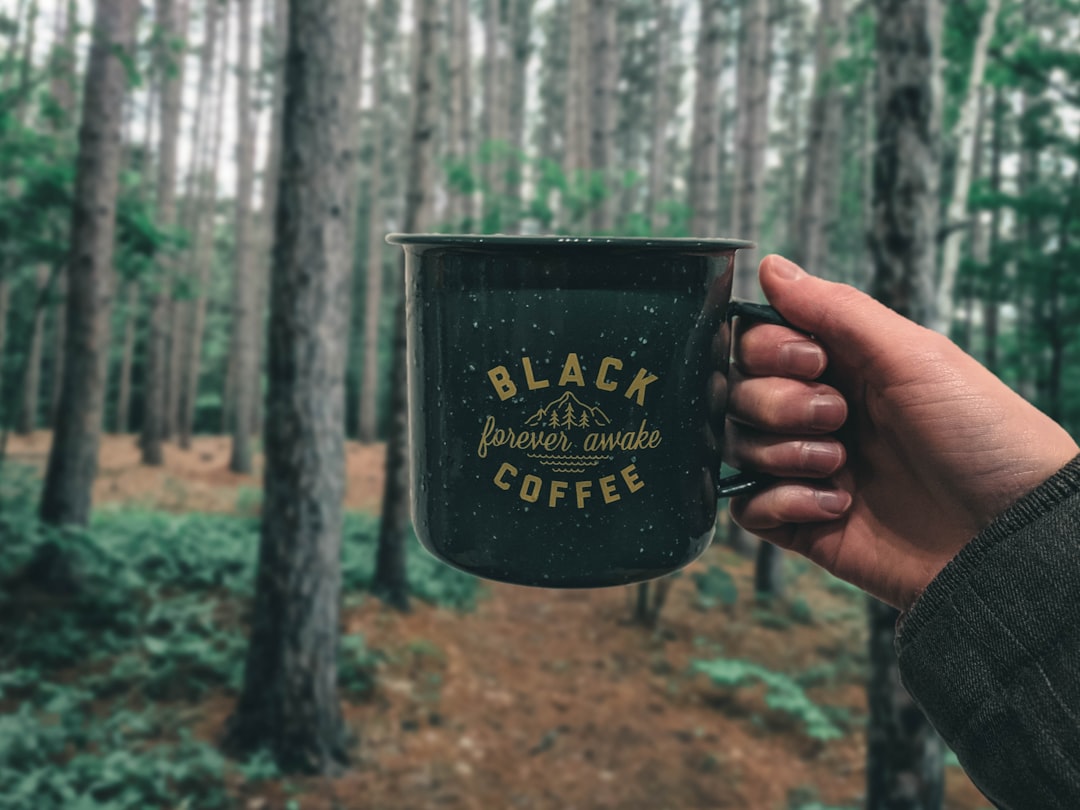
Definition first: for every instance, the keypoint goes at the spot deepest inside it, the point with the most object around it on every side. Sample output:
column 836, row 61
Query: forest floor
column 549, row 699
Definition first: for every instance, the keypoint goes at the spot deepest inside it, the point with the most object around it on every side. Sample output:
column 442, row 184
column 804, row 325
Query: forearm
column 991, row 650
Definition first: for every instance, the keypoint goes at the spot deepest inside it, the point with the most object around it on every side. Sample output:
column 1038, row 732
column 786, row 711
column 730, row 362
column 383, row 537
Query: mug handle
column 746, row 483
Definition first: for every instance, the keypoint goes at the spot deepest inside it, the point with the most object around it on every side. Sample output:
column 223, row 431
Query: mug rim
column 686, row 244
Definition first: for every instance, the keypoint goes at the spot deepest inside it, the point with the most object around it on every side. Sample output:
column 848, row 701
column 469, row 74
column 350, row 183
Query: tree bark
column 904, row 756
column 171, row 18
column 390, row 582
column 658, row 149
column 66, row 496
column 204, row 196
column 373, row 276
column 818, row 196
column 59, row 334
column 903, row 233
column 460, row 211
column 494, row 115
column 705, row 132
column 576, row 156
column 519, row 27
column 994, row 274
column 752, row 129
column 31, row 385
column 966, row 146
column 603, row 75
column 127, row 359
column 289, row 703
column 242, row 344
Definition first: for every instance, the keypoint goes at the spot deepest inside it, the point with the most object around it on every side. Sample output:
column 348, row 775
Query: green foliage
column 58, row 756
column 715, row 586
column 357, row 665
column 782, row 693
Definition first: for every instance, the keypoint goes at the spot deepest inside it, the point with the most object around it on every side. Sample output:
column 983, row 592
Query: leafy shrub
column 782, row 693
column 80, row 764
column 715, row 586
column 357, row 664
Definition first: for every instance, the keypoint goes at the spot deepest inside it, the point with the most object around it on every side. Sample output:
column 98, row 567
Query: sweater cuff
column 941, row 590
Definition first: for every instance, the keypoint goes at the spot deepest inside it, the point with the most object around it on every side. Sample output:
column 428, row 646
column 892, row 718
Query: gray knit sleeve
column 991, row 651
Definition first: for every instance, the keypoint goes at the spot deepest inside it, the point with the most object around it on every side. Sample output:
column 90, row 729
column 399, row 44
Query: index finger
column 766, row 350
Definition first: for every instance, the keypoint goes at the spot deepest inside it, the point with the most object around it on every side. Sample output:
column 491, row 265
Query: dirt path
column 553, row 700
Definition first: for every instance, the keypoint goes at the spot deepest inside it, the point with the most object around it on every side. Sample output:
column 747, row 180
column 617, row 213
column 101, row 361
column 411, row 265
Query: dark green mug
column 559, row 412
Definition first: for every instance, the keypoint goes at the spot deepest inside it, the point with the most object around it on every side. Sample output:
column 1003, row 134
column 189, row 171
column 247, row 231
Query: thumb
column 839, row 315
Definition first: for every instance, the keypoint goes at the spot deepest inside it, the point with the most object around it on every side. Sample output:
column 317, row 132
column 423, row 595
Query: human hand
column 894, row 457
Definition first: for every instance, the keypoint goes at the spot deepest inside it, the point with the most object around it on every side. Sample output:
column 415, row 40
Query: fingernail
column 786, row 269
column 833, row 503
column 821, row 458
column 827, row 412
column 802, row 358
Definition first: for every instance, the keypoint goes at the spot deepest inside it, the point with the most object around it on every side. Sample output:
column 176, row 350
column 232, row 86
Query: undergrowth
column 94, row 685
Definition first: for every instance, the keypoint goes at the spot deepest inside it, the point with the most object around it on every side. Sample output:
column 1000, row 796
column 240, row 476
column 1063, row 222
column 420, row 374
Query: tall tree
column 603, row 110
column 576, row 124
column 289, row 702
column 460, row 211
column 376, row 247
column 61, row 84
column 203, row 194
column 904, row 755
column 171, row 20
column 821, row 177
column 752, row 130
column 390, row 582
column 243, row 361
column 705, row 134
column 520, row 27
column 66, row 495
column 494, row 109
column 967, row 145
column 755, row 62
column 31, row 382
column 660, row 118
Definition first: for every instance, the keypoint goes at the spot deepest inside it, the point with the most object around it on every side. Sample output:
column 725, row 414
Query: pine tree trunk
column 603, row 75
column 171, row 18
column 31, row 385
column 818, row 195
column 203, row 195
column 289, row 703
column 66, row 496
column 245, row 288
column 520, row 28
column 576, row 160
column 390, row 582
column 904, row 758
column 753, row 130
column 705, row 134
column 460, row 211
column 752, row 136
column 127, row 359
column 275, row 12
column 202, row 256
column 494, row 116
column 59, row 350
column 658, row 148
column 373, row 277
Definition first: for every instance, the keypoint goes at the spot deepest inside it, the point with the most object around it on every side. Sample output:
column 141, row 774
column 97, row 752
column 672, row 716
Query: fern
column 782, row 693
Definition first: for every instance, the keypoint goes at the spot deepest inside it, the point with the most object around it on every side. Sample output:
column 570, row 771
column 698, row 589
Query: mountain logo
column 568, row 412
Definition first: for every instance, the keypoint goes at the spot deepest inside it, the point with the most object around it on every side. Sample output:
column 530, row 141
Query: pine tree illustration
column 553, row 420
column 568, row 416
column 583, row 420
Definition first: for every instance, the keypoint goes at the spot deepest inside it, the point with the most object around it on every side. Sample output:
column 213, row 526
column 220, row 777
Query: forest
column 210, row 593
